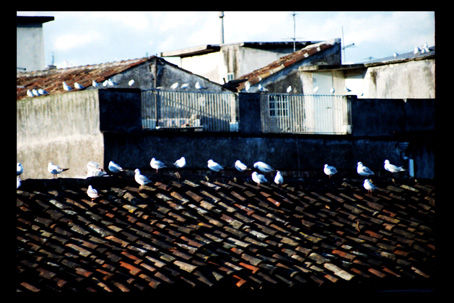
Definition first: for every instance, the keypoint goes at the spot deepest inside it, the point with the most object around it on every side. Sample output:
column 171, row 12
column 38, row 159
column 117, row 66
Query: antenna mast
column 221, row 16
column 294, row 32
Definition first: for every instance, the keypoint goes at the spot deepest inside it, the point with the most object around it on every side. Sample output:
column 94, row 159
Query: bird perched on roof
column 94, row 83
column 18, row 182
column 214, row 166
column 139, row 178
column 78, row 86
column 29, row 93
column 156, row 164
column 199, row 86
column 417, row 50
column 35, row 92
column 289, row 89
column 180, row 163
column 114, row 167
column 240, row 166
column 184, row 86
column 42, row 92
column 55, row 169
column 258, row 178
column 92, row 193
column 94, row 170
column 329, row 170
column 368, row 185
column 425, row 48
column 66, row 86
column 131, row 82
column 262, row 88
column 263, row 167
column 393, row 168
column 247, row 86
column 20, row 169
column 332, row 91
column 174, row 86
column 363, row 170
column 278, row 179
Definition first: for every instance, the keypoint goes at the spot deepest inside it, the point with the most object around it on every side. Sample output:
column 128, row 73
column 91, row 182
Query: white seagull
column 114, row 167
column 180, row 162
column 363, row 170
column 20, row 169
column 329, row 170
column 66, row 86
column 278, row 179
column 289, row 89
column 55, row 169
column 332, row 90
column 94, row 83
column 174, row 86
column 240, row 166
column 92, row 193
column 214, row 166
column 184, row 86
column 393, row 168
column 263, row 167
column 29, row 93
column 368, row 185
column 94, row 170
column 140, row 179
column 131, row 82
column 156, row 164
column 18, row 182
column 199, row 86
column 258, row 178
column 78, row 86
column 42, row 91
column 35, row 92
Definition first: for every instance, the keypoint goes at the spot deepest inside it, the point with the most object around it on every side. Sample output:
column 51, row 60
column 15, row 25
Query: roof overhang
column 192, row 51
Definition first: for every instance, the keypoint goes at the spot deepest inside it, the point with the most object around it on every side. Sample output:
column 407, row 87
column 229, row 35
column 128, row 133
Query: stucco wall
column 30, row 47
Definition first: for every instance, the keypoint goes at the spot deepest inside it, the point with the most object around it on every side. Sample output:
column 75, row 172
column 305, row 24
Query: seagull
column 184, row 86
column 425, row 48
column 214, row 166
column 262, row 88
column 174, row 86
column 20, row 169
column 363, row 170
column 347, row 89
column 92, row 193
column 332, row 90
column 94, row 170
column 18, row 182
column 78, row 86
column 35, row 92
column 180, row 162
column 368, row 185
column 395, row 55
column 417, row 50
column 105, row 83
column 55, row 169
column 131, row 82
column 263, row 167
column 393, row 168
column 141, row 179
column 247, row 85
column 315, row 90
column 278, row 179
column 289, row 89
column 29, row 93
column 94, row 83
column 198, row 86
column 114, row 167
column 329, row 170
column 42, row 91
column 66, row 86
column 240, row 166
column 156, row 164
column 258, row 178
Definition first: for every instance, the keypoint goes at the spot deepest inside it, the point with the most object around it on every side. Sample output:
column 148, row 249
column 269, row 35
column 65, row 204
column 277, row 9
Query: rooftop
column 223, row 232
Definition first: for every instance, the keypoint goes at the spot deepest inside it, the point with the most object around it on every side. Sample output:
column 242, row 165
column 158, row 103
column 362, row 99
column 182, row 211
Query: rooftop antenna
column 221, row 16
column 294, row 32
column 345, row 46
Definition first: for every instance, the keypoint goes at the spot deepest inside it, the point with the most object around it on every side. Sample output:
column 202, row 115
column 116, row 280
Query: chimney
column 221, row 16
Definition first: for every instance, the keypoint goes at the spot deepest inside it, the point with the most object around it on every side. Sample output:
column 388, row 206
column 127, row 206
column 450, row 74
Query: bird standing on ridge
column 156, row 164
column 199, row 86
column 289, row 89
column 94, row 83
column 78, row 86
column 363, row 170
column 278, row 179
column 66, row 86
column 19, row 169
column 393, row 168
column 131, row 82
column 214, row 166
column 263, row 167
column 114, row 167
column 329, row 170
column 92, row 193
column 55, row 169
column 368, row 185
column 240, row 166
column 258, row 178
column 180, row 163
column 29, row 93
column 174, row 86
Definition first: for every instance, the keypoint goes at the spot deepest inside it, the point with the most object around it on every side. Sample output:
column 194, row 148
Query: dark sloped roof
column 51, row 80
column 229, row 233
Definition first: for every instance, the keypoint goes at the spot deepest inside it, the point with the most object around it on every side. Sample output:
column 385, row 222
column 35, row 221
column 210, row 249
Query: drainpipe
column 221, row 16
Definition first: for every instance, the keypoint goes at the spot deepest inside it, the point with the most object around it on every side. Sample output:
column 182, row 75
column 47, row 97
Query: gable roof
column 189, row 234
column 51, row 80
column 276, row 66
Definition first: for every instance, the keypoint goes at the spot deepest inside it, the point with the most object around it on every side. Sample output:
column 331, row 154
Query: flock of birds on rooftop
column 258, row 175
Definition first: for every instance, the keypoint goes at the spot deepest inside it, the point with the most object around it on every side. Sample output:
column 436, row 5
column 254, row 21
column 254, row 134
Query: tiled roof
column 51, row 80
column 227, row 233
column 274, row 67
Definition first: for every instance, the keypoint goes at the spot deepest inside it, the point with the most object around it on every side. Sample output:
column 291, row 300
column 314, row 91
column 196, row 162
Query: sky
column 84, row 37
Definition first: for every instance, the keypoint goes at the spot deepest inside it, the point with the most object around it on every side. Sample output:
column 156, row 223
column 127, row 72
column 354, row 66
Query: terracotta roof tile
column 194, row 233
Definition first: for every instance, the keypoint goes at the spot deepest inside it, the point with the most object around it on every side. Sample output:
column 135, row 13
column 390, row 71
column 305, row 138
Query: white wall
column 30, row 47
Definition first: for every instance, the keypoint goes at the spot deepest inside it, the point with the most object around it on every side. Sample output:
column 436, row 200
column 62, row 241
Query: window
column 230, row 77
column 278, row 106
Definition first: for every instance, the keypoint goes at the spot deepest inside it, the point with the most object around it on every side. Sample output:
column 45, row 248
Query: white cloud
column 75, row 40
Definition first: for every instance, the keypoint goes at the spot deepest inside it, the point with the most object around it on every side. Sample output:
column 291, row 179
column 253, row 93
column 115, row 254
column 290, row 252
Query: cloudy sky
column 79, row 38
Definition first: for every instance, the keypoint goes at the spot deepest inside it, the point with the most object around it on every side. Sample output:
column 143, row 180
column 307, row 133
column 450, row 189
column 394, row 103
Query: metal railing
column 203, row 110
column 304, row 114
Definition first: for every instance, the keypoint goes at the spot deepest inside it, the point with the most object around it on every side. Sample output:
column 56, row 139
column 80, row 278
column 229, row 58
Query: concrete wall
column 30, row 47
